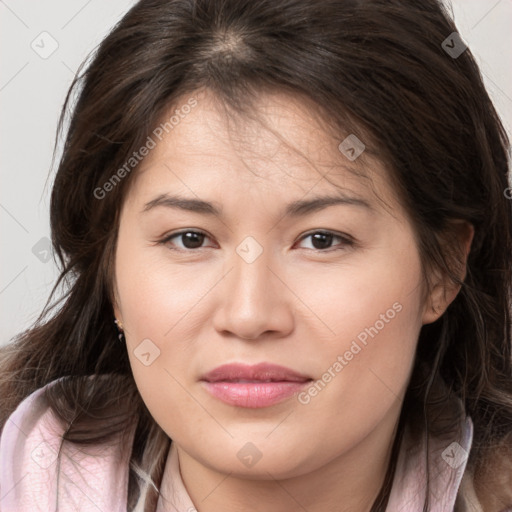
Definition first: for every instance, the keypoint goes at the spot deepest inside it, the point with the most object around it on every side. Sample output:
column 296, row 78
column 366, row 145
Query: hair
column 377, row 69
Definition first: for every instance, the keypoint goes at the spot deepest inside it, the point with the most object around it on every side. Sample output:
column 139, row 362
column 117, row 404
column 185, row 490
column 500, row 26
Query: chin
column 250, row 459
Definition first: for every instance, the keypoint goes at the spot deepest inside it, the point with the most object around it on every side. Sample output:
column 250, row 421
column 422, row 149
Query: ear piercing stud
column 120, row 329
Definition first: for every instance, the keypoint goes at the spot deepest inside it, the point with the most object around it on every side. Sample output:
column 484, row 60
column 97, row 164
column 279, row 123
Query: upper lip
column 258, row 372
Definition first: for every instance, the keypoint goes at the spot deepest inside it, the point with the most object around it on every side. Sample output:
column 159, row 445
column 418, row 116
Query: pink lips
column 255, row 386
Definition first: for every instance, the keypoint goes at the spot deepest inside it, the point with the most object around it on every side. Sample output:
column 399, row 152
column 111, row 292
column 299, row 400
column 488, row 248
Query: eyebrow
column 297, row 208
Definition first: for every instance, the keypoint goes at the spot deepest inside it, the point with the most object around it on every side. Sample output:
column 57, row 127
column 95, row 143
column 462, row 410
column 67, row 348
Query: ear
column 444, row 290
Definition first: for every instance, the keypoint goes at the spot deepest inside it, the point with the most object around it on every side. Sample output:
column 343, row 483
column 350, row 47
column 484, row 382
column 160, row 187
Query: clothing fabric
column 95, row 478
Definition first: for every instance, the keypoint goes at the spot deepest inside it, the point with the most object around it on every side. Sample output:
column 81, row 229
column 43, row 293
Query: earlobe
column 444, row 289
column 439, row 300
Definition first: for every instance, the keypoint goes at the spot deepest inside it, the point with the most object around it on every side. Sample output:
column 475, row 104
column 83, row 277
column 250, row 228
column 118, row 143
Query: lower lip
column 253, row 394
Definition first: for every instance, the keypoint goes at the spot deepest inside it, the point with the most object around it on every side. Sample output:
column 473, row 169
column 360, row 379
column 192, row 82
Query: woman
column 340, row 338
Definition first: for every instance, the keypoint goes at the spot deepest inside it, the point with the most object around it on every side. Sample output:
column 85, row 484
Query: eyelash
column 347, row 240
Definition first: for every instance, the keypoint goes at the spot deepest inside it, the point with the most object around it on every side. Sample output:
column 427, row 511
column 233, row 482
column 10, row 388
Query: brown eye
column 189, row 239
column 322, row 240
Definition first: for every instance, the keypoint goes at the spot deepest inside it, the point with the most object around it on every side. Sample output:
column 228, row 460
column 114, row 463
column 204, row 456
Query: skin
column 296, row 305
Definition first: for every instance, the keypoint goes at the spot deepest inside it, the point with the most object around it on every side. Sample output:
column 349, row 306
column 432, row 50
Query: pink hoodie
column 95, row 478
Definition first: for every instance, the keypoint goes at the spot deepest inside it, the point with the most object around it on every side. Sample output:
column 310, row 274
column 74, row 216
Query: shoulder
column 28, row 447
column 41, row 471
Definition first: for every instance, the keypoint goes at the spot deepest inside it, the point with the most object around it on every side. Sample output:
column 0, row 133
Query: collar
column 447, row 457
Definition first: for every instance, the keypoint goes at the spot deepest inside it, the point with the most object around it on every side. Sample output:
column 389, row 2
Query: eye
column 322, row 240
column 190, row 239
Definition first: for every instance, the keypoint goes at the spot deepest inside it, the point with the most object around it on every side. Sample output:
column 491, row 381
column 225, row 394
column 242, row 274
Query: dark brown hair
column 379, row 70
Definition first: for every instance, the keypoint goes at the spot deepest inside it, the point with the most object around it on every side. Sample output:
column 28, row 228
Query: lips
column 263, row 372
column 253, row 387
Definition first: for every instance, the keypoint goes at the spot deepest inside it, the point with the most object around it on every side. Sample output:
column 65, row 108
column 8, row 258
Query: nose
column 255, row 301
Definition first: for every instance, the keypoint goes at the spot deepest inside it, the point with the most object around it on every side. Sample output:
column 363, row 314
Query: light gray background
column 33, row 86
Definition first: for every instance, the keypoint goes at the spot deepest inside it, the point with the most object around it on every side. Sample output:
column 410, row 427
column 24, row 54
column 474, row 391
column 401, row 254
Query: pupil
column 191, row 240
column 320, row 239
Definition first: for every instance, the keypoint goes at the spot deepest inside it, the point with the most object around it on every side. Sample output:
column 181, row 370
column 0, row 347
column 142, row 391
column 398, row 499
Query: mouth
column 254, row 381
column 254, row 386
column 262, row 372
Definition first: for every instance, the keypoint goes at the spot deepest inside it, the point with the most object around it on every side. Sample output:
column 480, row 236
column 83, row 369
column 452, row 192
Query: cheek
column 159, row 304
column 372, row 309
column 156, row 294
column 362, row 374
column 377, row 319
column 375, row 295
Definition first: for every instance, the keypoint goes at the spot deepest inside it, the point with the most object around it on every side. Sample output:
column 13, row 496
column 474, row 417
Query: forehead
column 287, row 144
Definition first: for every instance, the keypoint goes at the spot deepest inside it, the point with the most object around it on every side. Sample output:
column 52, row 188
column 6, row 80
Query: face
column 333, row 293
